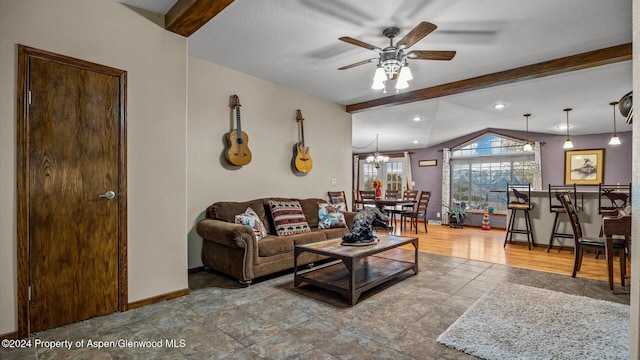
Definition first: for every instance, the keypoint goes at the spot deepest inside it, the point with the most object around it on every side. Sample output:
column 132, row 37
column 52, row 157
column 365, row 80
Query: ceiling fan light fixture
column 377, row 85
column 378, row 79
column 393, row 58
column 615, row 140
column 379, row 75
column 391, row 62
column 405, row 73
column 401, row 84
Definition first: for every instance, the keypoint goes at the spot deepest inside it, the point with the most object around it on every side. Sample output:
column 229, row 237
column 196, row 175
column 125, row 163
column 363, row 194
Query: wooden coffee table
column 356, row 268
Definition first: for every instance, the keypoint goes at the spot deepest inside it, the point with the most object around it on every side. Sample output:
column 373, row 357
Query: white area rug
column 521, row 322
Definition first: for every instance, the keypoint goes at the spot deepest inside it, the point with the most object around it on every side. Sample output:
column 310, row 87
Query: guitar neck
column 238, row 123
column 302, row 133
column 300, row 121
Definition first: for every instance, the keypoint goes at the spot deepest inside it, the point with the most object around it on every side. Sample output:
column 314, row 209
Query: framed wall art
column 584, row 167
column 427, row 163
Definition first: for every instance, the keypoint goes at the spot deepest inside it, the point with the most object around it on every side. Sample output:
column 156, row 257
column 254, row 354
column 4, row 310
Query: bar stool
column 522, row 202
column 556, row 207
column 611, row 199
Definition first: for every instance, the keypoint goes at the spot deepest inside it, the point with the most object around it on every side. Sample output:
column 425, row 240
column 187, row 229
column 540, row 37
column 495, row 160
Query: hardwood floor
column 486, row 245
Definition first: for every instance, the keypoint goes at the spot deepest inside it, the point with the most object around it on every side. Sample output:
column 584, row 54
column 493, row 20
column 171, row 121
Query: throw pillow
column 331, row 216
column 288, row 217
column 251, row 219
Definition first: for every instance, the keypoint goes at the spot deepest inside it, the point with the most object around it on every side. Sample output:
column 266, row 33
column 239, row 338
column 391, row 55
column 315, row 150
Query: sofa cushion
column 268, row 224
column 288, row 217
column 250, row 218
column 335, row 233
column 331, row 216
column 310, row 208
column 227, row 210
column 308, row 238
column 274, row 245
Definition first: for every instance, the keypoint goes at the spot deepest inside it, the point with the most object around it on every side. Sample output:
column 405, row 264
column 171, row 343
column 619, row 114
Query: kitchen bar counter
column 542, row 218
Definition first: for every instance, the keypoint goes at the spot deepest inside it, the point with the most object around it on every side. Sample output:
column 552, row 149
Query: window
column 390, row 174
column 485, row 164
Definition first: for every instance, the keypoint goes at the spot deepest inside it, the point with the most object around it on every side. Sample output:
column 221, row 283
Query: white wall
column 268, row 115
column 111, row 34
column 635, row 201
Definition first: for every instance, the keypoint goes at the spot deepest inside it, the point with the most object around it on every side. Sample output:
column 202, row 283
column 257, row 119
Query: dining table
column 612, row 226
column 381, row 203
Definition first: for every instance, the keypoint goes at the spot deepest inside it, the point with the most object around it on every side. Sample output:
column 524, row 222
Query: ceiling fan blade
column 357, row 42
column 431, row 55
column 358, row 64
column 421, row 30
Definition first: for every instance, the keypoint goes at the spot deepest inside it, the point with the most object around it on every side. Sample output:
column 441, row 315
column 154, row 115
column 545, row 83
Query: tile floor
column 273, row 320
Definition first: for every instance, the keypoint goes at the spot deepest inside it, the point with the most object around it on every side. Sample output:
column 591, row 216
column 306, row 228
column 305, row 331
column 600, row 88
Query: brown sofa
column 233, row 249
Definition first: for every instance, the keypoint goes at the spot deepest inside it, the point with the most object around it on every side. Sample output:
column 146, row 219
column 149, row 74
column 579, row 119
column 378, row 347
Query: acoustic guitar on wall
column 238, row 152
column 301, row 158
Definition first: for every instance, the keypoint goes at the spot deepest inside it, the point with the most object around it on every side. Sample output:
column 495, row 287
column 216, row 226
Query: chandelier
column 376, row 159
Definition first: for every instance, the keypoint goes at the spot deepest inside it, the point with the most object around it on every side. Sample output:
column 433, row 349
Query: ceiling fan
column 392, row 60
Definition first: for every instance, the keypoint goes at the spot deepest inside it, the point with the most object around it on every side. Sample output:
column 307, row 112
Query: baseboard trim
column 159, row 298
column 479, row 226
column 10, row 336
column 196, row 269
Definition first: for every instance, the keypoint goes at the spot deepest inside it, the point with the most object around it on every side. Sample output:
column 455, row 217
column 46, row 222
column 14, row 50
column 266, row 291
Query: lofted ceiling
column 295, row 43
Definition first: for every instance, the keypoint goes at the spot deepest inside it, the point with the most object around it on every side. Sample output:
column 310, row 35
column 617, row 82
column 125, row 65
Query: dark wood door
column 73, row 135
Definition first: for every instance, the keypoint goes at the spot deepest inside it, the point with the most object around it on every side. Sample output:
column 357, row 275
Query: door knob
column 108, row 195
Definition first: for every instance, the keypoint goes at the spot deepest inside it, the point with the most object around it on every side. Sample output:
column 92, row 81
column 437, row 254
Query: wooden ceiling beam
column 187, row 16
column 581, row 61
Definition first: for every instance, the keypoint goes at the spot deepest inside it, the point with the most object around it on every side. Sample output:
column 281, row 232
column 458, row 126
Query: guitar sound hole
column 239, row 141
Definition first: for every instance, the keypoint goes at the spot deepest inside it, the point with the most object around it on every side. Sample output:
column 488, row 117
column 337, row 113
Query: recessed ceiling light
column 499, row 106
column 416, row 118
column 415, row 141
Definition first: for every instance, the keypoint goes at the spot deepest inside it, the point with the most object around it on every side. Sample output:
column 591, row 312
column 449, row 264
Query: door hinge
column 29, row 293
column 29, row 97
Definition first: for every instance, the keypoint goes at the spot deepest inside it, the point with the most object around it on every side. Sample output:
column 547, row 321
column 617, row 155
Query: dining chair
column 419, row 212
column 338, row 198
column 582, row 242
column 620, row 226
column 391, row 210
column 367, row 197
column 391, row 194
column 410, row 195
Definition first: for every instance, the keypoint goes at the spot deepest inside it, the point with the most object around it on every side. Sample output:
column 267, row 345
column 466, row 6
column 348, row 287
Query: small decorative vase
column 378, row 193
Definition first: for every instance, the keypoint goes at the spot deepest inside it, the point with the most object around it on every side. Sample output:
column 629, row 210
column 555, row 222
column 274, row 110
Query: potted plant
column 457, row 214
column 377, row 184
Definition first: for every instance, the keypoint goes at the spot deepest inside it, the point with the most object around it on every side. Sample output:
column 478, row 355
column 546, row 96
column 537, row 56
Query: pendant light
column 615, row 140
column 527, row 146
column 567, row 143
